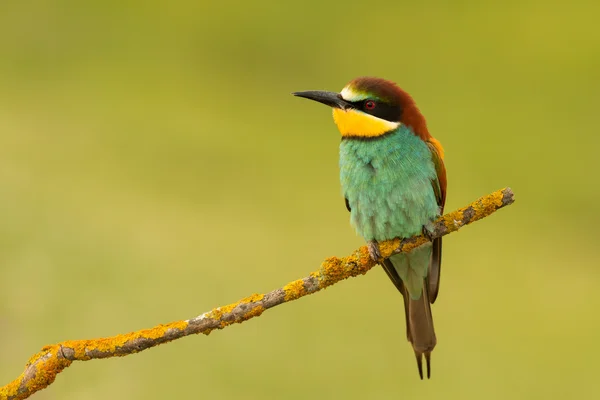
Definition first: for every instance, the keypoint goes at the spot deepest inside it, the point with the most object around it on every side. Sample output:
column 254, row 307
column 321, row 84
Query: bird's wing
column 439, row 188
column 347, row 204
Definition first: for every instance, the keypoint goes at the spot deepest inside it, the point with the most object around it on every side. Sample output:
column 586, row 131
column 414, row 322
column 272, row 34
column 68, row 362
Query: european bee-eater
column 394, row 183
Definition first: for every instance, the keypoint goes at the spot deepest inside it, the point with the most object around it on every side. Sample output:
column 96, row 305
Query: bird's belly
column 393, row 197
column 380, row 213
column 388, row 188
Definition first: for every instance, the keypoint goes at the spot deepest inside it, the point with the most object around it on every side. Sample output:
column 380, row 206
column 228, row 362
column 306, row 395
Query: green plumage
column 394, row 181
column 387, row 182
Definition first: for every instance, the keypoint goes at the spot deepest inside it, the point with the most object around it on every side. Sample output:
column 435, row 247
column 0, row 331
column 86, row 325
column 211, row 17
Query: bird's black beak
column 331, row 99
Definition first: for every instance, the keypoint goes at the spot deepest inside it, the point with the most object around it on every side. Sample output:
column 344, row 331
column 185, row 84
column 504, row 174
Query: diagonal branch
column 42, row 368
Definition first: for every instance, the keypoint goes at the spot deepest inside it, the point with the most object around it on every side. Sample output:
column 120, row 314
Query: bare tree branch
column 42, row 368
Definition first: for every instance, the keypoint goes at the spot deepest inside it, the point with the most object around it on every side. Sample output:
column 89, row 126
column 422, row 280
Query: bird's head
column 371, row 107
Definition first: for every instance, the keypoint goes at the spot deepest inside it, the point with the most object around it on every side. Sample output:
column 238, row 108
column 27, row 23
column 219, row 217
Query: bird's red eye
column 369, row 104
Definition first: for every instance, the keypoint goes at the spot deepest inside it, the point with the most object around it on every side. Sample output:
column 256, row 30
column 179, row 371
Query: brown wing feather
column 391, row 272
column 439, row 187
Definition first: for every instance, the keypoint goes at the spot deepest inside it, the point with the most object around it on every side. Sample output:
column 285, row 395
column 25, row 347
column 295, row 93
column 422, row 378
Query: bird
column 393, row 180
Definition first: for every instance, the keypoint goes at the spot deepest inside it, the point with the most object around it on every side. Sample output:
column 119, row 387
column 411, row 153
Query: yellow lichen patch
column 47, row 371
column 110, row 345
column 223, row 324
column 294, row 290
column 217, row 313
column 387, row 248
column 353, row 261
column 43, row 353
column 335, row 269
column 12, row 389
column 364, row 258
column 158, row 331
column 81, row 348
column 413, row 244
column 48, row 366
column 359, row 262
column 490, row 202
column 332, row 270
column 450, row 218
column 252, row 298
column 254, row 312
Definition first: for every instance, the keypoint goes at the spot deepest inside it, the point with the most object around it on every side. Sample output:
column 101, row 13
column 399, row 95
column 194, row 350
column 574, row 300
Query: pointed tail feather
column 421, row 333
column 419, row 321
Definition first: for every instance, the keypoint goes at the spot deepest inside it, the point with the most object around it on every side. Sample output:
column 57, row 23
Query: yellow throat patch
column 358, row 124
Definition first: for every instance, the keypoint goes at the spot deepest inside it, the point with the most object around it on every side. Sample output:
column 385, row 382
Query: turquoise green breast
column 387, row 182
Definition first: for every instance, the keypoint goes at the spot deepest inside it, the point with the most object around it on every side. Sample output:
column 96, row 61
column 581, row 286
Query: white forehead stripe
column 350, row 95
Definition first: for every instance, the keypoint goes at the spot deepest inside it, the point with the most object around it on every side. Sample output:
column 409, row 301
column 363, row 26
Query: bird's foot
column 374, row 252
column 428, row 231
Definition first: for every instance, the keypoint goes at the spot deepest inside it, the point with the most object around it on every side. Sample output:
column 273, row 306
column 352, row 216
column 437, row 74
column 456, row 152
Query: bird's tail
column 408, row 272
column 419, row 328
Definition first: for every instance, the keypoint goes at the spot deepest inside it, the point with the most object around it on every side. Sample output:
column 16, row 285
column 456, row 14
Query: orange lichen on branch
column 254, row 312
column 331, row 270
column 217, row 313
column 488, row 203
column 158, row 331
column 234, row 312
column 294, row 290
column 40, row 371
column 450, row 220
column 82, row 349
column 335, row 269
column 477, row 210
column 253, row 298
column 46, row 372
column 42, row 368
column 387, row 248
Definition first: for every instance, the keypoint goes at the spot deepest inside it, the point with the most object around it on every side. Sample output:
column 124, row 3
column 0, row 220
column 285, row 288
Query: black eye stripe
column 383, row 110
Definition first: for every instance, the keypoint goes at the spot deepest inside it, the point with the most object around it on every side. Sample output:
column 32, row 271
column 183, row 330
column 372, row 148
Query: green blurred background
column 153, row 165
